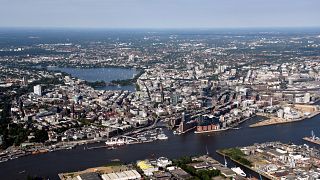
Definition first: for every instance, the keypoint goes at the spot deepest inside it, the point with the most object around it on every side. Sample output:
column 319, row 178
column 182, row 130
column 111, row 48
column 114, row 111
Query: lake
column 101, row 74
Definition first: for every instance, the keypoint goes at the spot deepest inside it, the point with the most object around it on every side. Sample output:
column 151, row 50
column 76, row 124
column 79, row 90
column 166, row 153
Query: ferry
column 239, row 171
column 162, row 137
column 115, row 142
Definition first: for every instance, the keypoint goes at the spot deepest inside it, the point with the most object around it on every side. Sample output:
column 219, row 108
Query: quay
column 227, row 128
column 276, row 120
column 312, row 140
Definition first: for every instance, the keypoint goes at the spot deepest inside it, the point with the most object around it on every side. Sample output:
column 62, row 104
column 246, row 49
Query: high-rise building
column 24, row 81
column 131, row 57
column 307, row 98
column 174, row 98
column 37, row 90
column 161, row 92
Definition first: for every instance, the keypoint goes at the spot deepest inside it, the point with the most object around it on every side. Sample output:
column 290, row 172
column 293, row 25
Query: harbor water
column 50, row 164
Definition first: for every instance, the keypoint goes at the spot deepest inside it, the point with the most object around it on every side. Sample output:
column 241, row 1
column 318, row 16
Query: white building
column 307, row 98
column 37, row 90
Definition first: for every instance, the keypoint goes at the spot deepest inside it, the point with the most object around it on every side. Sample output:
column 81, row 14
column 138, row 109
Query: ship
column 116, row 142
column 239, row 171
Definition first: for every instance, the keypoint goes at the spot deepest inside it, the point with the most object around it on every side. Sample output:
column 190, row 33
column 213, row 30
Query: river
column 50, row 164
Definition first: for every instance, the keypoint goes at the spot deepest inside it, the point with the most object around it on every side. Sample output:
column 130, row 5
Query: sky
column 159, row 13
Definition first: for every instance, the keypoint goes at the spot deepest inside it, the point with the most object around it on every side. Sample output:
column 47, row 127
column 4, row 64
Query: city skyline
column 159, row 14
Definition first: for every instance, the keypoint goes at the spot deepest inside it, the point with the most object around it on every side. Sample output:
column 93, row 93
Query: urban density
column 159, row 90
column 195, row 83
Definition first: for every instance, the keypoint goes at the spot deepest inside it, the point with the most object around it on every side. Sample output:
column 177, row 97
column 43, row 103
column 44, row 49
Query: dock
column 276, row 120
column 312, row 140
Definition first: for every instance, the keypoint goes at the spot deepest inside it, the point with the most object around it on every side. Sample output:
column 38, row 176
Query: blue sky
column 159, row 13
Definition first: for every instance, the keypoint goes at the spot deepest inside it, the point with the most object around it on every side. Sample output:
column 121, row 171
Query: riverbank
column 186, row 167
column 227, row 128
column 140, row 137
column 276, row 120
column 50, row 164
column 312, row 140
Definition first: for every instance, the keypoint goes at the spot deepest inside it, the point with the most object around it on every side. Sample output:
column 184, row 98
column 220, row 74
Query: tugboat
column 239, row 171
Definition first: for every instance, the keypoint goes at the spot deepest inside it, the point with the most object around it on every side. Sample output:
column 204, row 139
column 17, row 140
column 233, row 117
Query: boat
column 162, row 137
column 3, row 160
column 21, row 172
column 116, row 142
column 112, row 148
column 239, row 171
column 225, row 162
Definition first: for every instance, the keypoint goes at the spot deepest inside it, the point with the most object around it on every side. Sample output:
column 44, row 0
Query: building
column 125, row 175
column 163, row 162
column 147, row 167
column 88, row 176
column 37, row 90
column 174, row 99
column 307, row 98
column 1, row 140
column 131, row 57
column 280, row 113
column 24, row 81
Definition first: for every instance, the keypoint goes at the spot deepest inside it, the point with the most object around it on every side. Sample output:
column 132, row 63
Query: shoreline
column 310, row 140
column 276, row 120
column 228, row 128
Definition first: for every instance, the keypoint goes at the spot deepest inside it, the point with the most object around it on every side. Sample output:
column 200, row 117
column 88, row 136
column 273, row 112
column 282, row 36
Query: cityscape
column 160, row 101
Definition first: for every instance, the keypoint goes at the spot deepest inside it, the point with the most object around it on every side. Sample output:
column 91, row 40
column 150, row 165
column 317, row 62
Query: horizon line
column 157, row 28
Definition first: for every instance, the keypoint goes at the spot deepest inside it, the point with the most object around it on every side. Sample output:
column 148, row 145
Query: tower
column 37, row 90
column 162, row 93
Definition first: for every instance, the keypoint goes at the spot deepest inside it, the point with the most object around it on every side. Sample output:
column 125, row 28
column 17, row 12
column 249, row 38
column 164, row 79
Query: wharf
column 312, row 140
column 227, row 128
column 275, row 120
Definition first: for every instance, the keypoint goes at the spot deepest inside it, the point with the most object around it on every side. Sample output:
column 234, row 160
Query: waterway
column 50, row 164
column 101, row 74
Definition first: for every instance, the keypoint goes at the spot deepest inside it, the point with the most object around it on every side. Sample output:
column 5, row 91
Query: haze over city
column 159, row 13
